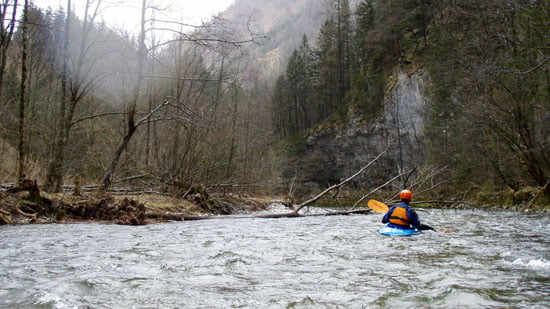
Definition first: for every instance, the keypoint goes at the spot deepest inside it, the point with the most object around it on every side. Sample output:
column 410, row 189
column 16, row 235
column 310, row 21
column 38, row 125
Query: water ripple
column 319, row 262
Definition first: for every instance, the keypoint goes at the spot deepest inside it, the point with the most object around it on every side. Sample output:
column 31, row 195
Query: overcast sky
column 126, row 13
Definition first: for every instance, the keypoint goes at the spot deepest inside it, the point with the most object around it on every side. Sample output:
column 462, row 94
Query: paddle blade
column 378, row 206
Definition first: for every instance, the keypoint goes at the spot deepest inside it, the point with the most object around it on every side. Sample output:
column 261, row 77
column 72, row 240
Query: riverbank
column 153, row 207
column 528, row 199
column 127, row 209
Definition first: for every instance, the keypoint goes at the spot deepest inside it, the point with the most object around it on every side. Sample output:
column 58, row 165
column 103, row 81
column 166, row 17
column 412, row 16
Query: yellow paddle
column 383, row 208
column 378, row 206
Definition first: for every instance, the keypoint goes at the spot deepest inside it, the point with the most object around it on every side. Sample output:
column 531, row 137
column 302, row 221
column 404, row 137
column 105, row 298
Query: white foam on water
column 506, row 253
column 533, row 264
column 53, row 300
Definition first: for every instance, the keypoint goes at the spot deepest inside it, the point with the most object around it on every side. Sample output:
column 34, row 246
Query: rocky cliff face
column 405, row 114
column 333, row 153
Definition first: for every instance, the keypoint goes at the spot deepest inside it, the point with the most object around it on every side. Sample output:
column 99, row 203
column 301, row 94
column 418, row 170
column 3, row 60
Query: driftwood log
column 182, row 217
column 33, row 205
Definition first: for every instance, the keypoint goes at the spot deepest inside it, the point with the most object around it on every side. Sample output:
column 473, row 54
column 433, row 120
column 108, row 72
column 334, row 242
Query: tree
column 131, row 123
column 294, row 92
column 54, row 179
column 77, row 81
column 22, row 98
column 365, row 22
column 335, row 59
column 279, row 113
column 327, row 85
column 496, row 82
column 368, row 78
column 7, row 27
column 295, row 75
column 344, row 39
column 307, row 72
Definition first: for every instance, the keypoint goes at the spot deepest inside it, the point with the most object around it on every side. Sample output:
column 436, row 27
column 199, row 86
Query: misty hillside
column 283, row 22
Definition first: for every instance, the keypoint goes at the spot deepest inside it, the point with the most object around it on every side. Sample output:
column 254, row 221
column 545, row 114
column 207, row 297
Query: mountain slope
column 284, row 22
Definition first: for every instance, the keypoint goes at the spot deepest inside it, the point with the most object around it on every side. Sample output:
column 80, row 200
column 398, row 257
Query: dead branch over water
column 337, row 186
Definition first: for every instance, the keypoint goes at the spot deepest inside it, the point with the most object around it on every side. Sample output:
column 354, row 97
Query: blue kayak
column 393, row 231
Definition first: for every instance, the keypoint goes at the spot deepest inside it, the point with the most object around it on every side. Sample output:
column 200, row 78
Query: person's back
column 401, row 215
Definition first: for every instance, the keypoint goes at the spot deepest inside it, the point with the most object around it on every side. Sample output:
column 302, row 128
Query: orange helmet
column 405, row 195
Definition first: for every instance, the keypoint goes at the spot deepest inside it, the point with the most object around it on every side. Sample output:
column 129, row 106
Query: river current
column 492, row 260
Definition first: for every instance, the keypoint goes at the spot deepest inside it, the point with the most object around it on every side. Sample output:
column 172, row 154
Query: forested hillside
column 277, row 91
column 486, row 123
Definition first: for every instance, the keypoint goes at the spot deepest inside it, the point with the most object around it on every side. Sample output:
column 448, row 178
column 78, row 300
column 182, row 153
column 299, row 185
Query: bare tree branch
column 96, row 116
column 431, row 175
column 379, row 187
column 182, row 78
column 155, row 110
column 530, row 70
column 308, row 202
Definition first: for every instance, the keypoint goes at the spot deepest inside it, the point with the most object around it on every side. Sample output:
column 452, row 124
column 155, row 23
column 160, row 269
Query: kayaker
column 402, row 216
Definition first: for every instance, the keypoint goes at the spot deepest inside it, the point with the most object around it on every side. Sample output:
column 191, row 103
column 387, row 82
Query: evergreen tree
column 293, row 94
column 295, row 76
column 368, row 78
column 344, row 41
column 335, row 54
column 327, row 83
column 280, row 113
column 365, row 22
column 308, row 67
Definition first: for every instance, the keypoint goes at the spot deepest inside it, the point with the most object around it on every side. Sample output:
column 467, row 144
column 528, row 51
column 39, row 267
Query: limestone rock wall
column 334, row 153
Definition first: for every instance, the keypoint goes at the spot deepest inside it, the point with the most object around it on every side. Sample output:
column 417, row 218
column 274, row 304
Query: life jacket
column 399, row 216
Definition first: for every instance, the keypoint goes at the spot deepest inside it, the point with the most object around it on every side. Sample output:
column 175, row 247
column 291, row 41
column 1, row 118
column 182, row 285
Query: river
column 492, row 260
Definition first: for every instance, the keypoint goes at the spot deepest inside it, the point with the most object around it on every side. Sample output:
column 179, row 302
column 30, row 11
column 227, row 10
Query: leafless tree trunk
column 132, row 108
column 232, row 145
column 6, row 35
column 22, row 98
column 54, row 179
column 378, row 188
column 76, row 82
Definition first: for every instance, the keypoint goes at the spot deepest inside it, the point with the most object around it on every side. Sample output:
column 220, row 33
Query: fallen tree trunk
column 331, row 213
column 182, row 217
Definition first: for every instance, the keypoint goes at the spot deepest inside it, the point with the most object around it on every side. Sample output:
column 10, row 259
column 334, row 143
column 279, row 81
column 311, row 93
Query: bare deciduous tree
column 7, row 26
column 77, row 81
column 22, row 99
